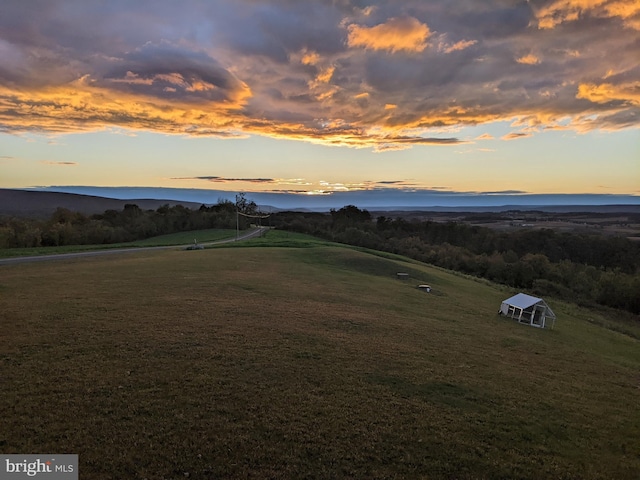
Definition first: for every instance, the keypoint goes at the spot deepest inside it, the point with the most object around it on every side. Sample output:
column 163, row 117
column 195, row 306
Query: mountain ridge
column 42, row 203
column 35, row 203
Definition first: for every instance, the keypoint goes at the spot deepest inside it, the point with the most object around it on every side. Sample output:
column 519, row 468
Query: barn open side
column 529, row 310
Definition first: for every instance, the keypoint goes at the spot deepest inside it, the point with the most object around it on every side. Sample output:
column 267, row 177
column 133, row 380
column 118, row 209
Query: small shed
column 527, row 309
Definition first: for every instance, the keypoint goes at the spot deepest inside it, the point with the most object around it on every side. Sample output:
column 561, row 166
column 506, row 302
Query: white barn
column 527, row 309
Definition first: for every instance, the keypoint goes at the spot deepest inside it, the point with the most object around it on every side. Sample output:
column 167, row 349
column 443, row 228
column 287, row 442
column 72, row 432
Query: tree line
column 583, row 268
column 65, row 227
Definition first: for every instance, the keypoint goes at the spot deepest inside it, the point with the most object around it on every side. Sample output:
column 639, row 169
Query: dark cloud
column 216, row 179
column 312, row 71
column 499, row 20
column 387, row 184
column 504, row 192
column 171, row 72
column 623, row 119
column 400, row 142
column 58, row 164
column 287, row 191
column 516, row 135
column 276, row 29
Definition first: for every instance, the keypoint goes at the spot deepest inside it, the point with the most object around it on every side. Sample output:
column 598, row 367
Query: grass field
column 180, row 238
column 286, row 362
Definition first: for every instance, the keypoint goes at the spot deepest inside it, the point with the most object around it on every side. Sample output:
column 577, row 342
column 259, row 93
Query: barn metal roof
column 522, row 300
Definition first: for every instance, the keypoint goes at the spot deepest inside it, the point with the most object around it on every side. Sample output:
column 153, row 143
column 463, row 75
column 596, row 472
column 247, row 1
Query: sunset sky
column 313, row 97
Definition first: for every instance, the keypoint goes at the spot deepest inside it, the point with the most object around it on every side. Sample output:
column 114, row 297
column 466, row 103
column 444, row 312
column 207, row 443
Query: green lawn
column 315, row 362
column 282, row 238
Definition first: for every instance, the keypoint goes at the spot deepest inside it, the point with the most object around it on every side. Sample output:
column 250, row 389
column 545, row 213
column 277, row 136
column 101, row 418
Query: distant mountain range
column 35, row 203
column 90, row 200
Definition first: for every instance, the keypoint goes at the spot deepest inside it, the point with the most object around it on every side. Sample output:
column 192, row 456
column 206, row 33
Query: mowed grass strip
column 304, row 363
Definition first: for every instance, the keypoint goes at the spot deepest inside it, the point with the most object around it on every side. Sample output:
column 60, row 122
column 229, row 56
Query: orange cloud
column 310, row 58
column 398, row 34
column 133, row 79
column 321, row 87
column 84, row 105
column 561, row 11
column 445, row 117
column 485, row 136
column 461, row 45
column 529, row 59
column 606, row 92
column 325, row 75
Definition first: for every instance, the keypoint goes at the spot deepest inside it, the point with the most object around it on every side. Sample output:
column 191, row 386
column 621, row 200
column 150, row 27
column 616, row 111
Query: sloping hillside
column 315, row 362
column 36, row 204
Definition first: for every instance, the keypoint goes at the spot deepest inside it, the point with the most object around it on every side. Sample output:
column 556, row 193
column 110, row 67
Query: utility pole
column 237, row 220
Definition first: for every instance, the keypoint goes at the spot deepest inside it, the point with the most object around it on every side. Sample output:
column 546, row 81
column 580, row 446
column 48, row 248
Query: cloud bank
column 383, row 74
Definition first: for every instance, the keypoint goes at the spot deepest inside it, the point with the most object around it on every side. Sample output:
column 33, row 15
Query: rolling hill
column 40, row 204
column 295, row 358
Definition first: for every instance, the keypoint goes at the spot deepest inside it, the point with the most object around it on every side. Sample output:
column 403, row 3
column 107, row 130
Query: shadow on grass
column 442, row 393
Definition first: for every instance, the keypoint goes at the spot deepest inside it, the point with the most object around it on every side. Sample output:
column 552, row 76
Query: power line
column 254, row 216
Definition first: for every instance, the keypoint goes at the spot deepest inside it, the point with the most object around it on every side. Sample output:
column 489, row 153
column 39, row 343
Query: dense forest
column 587, row 269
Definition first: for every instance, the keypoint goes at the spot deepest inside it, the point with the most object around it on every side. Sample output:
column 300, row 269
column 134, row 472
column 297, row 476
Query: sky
column 326, row 98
